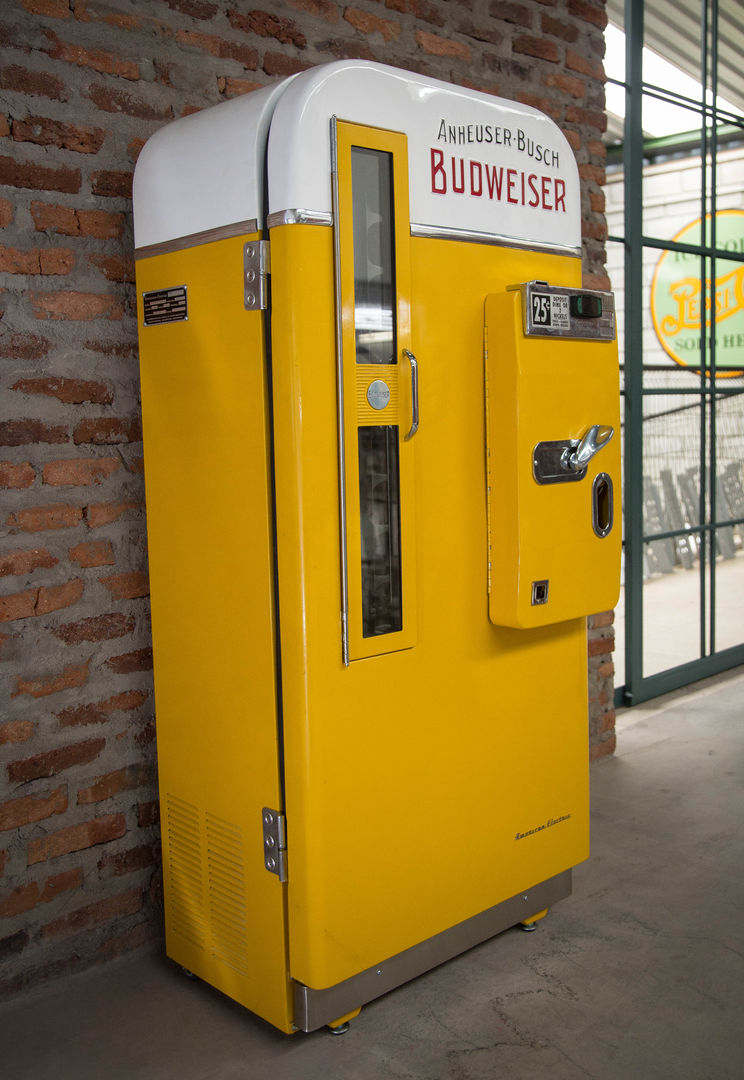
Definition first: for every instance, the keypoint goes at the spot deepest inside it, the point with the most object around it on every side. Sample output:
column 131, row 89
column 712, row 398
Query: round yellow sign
column 677, row 298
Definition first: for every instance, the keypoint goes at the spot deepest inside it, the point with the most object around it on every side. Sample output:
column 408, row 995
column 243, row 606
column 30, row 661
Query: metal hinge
column 275, row 842
column 256, row 270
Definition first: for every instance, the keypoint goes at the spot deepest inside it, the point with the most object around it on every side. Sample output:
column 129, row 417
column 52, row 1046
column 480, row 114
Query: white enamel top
column 477, row 163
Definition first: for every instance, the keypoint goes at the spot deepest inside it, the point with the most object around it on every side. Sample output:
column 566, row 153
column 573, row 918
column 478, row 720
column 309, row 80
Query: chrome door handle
column 596, row 437
column 414, row 395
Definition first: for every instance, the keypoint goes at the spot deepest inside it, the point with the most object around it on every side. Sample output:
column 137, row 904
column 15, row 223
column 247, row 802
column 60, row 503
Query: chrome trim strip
column 314, row 1008
column 299, row 217
column 340, row 400
column 207, row 236
column 443, row 232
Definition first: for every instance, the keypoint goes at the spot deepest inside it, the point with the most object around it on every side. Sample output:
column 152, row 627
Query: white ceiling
column 673, row 30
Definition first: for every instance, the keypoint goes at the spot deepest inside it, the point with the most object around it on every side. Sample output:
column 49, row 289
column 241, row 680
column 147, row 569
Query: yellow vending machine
column 383, row 493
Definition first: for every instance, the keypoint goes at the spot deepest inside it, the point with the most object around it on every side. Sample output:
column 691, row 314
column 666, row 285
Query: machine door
column 437, row 765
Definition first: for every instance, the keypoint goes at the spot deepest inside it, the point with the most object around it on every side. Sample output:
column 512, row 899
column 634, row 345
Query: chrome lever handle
column 414, row 395
column 593, row 441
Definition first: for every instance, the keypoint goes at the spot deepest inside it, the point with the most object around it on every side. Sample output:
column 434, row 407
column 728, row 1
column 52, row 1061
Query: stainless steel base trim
column 315, row 1008
column 442, row 232
column 207, row 236
column 299, row 217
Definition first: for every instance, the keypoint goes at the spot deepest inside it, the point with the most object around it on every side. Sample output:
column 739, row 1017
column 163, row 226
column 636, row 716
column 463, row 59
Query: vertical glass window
column 374, row 265
column 379, row 500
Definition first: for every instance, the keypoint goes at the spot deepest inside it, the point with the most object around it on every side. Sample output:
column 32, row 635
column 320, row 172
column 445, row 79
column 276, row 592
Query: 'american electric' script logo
column 539, row 828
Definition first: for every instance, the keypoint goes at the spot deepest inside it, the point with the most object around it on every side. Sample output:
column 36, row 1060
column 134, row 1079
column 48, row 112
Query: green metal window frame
column 715, row 126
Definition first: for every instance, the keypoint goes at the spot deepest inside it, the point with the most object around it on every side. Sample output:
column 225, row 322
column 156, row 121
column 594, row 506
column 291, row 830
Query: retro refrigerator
column 382, row 466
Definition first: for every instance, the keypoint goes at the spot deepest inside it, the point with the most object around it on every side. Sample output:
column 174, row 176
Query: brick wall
column 83, row 84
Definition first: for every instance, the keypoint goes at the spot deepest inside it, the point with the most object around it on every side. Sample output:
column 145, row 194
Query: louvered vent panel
column 186, row 892
column 227, row 892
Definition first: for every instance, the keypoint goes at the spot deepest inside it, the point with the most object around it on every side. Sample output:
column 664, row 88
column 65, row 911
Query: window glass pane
column 379, row 500
column 374, row 269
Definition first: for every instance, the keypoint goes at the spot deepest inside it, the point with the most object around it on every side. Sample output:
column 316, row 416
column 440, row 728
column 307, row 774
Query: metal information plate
column 165, row 305
column 555, row 311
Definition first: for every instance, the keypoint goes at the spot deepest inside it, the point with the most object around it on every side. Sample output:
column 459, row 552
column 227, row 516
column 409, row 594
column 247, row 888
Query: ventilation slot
column 227, row 893
column 186, row 885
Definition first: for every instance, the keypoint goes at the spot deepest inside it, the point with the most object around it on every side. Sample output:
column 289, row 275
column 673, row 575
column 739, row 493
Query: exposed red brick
column 36, row 261
column 69, row 391
column 93, row 553
column 368, row 23
column 16, row 476
column 575, row 114
column 57, row 9
column 569, row 84
column 114, row 267
column 15, row 731
column 105, row 787
column 126, row 862
column 28, row 895
column 572, row 138
column 126, row 903
column 567, row 31
column 600, row 646
column 597, row 230
column 602, row 749
column 54, row 597
column 537, row 47
column 591, row 13
column 72, row 675
column 578, row 62
column 440, row 46
column 99, row 712
column 219, row 47
column 30, row 808
column 20, row 605
column 592, row 172
column 77, row 838
column 32, row 83
column 108, row 430
column 97, row 514
column 76, row 306
column 236, row 87
column 79, row 471
column 105, row 62
column 21, row 432
column 4, row 125
column 111, row 100
column 148, row 814
column 42, row 518
column 127, row 586
column 123, row 349
column 518, row 14
column 26, row 174
column 597, row 201
column 45, row 132
column 139, row 660
column 25, row 562
column 96, row 628
column 69, row 222
column 275, row 63
column 112, row 183
column 266, row 24
column 6, row 213
column 197, row 9
column 146, row 735
column 321, row 9
column 3, row 860
column 134, row 149
column 52, row 762
column 480, row 31
column 24, row 347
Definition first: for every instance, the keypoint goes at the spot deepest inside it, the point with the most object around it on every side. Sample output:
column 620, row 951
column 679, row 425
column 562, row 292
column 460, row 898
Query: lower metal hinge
column 275, row 842
column 256, row 270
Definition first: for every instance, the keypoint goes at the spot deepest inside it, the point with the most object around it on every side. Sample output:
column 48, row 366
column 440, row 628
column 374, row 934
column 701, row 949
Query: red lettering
column 437, row 170
column 475, row 166
column 461, row 188
column 494, row 179
column 560, row 195
column 546, row 204
column 510, row 185
column 535, row 200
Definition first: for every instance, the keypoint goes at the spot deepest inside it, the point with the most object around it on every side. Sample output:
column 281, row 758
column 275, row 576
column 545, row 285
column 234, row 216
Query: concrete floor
column 639, row 975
